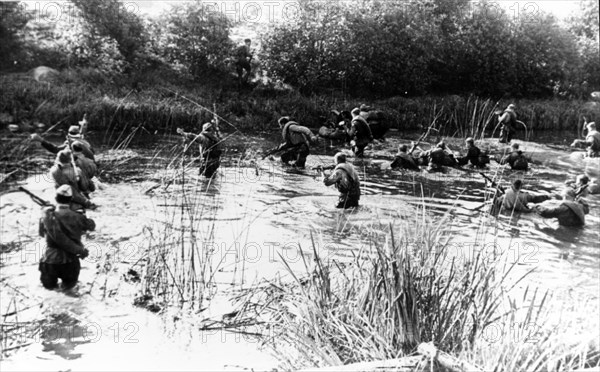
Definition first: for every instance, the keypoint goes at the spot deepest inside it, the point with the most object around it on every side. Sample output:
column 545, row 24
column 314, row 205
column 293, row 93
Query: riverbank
column 163, row 100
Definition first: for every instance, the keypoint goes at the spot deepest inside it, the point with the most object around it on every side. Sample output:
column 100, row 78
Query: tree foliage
column 13, row 20
column 419, row 46
column 111, row 19
column 190, row 36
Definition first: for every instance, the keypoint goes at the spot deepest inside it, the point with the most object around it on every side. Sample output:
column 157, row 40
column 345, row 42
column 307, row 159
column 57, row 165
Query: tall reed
column 410, row 289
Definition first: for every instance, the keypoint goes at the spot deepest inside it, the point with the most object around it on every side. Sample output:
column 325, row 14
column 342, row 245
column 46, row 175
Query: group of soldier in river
column 73, row 172
column 75, row 168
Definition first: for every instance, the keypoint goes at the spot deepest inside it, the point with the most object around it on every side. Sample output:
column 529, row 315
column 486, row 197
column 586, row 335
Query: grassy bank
column 162, row 101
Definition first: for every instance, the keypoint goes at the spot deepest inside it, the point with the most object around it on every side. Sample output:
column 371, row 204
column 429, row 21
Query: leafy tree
column 192, row 37
column 13, row 20
column 585, row 22
column 585, row 25
column 111, row 19
column 544, row 54
column 364, row 47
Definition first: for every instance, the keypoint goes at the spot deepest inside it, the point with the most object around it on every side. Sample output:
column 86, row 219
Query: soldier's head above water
column 339, row 158
column 582, row 179
column 355, row 112
column 74, row 131
column 514, row 146
column 283, row 120
column 511, row 107
column 441, row 145
column 517, row 184
column 64, row 157
column 591, row 126
column 365, row 108
column 77, row 148
column 64, row 194
column 403, row 148
column 470, row 141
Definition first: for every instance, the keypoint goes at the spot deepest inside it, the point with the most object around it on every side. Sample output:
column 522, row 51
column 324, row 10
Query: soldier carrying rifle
column 346, row 180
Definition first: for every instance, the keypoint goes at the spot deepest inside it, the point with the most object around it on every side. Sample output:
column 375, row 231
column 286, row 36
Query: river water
column 245, row 223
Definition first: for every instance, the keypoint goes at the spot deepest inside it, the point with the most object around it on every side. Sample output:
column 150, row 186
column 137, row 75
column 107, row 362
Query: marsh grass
column 179, row 267
column 410, row 290
column 154, row 101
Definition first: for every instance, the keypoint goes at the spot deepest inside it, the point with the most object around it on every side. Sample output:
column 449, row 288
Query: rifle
column 36, row 199
column 423, row 136
column 73, row 164
column 585, row 122
column 283, row 146
column 216, row 119
column 83, row 125
column 323, row 168
column 494, row 184
column 580, row 191
column 270, row 152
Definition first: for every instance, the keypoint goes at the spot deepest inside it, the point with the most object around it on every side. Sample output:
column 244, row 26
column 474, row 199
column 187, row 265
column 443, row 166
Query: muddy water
column 252, row 215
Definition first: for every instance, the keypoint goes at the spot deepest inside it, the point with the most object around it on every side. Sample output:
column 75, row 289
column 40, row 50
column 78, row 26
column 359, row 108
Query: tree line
column 364, row 47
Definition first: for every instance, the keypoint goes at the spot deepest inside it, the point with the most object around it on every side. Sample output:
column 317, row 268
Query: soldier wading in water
column 63, row 227
column 209, row 141
column 346, row 180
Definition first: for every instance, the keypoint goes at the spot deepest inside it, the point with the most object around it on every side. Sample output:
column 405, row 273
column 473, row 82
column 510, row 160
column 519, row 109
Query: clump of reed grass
column 178, row 263
column 399, row 294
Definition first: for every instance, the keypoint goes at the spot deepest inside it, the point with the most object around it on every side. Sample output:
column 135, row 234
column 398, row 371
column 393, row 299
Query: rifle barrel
column 36, row 199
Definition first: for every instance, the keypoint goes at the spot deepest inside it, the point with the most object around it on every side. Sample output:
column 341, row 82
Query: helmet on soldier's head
column 470, row 140
column 77, row 148
column 283, row 120
column 441, row 145
column 340, row 157
column 517, row 184
column 74, row 131
column 207, row 127
column 64, row 156
column 403, row 148
column 512, row 106
column 582, row 179
column 65, row 190
column 591, row 126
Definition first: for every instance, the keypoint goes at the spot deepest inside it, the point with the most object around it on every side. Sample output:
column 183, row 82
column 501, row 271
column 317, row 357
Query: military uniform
column 210, row 147
column 568, row 213
column 473, row 156
column 63, row 173
column 516, row 160
column 508, row 120
column 404, row 161
column 62, row 228
column 296, row 146
column 360, row 134
column 346, row 180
